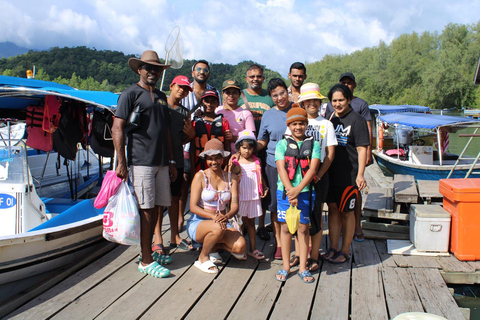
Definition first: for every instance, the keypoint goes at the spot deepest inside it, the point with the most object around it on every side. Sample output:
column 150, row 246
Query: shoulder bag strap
column 245, row 101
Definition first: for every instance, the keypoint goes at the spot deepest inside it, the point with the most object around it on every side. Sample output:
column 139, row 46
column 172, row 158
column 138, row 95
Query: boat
column 44, row 226
column 420, row 159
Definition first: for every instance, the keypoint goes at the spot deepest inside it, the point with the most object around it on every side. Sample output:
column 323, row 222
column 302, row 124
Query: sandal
column 312, row 265
column 337, row 255
column 239, row 256
column 207, row 267
column 306, row 274
column 263, row 234
column 154, row 269
column 160, row 247
column 215, row 257
column 278, row 253
column 294, row 261
column 359, row 237
column 257, row 254
column 325, row 256
column 184, row 245
column 281, row 275
column 161, row 258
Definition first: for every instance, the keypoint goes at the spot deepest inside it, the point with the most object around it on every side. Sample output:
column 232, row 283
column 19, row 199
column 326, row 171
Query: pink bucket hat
column 309, row 91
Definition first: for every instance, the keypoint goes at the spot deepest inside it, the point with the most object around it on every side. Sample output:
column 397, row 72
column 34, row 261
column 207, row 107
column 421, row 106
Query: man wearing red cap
column 142, row 116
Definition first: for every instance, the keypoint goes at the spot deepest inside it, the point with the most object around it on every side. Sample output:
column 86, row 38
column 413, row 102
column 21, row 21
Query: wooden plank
column 452, row 264
column 135, row 301
column 405, row 188
column 368, row 300
column 386, row 258
column 333, row 293
column 434, row 293
column 428, row 189
column 379, row 199
column 225, row 290
column 461, row 277
column 74, row 286
column 370, row 234
column 385, row 227
column 400, row 292
column 386, row 215
column 376, row 178
column 415, row 261
column 474, row 264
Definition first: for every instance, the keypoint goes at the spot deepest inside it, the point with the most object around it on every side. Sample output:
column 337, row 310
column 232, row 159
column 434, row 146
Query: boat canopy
column 11, row 89
column 425, row 121
column 386, row 109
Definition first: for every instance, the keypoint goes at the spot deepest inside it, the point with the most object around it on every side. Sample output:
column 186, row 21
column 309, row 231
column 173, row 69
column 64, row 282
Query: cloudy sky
column 272, row 32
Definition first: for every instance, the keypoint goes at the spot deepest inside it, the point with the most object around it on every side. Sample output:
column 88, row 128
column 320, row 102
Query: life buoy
column 380, row 138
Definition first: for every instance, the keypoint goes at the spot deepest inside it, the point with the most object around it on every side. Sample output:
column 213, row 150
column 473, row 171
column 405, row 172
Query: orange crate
column 461, row 198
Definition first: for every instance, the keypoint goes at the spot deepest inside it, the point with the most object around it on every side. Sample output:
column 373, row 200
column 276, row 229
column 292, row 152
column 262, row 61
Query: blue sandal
column 161, row 258
column 154, row 269
column 281, row 273
column 306, row 274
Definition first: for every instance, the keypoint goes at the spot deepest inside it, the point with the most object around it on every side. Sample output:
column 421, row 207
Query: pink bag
column 111, row 183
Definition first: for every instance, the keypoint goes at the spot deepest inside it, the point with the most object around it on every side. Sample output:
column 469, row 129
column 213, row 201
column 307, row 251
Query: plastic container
column 461, row 197
column 429, row 228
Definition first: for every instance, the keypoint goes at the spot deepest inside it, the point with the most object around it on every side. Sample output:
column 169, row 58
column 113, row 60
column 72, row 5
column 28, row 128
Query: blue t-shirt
column 280, row 155
column 272, row 129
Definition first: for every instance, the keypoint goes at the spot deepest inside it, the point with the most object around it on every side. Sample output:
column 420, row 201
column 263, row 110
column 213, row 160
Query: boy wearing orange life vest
column 209, row 125
column 297, row 158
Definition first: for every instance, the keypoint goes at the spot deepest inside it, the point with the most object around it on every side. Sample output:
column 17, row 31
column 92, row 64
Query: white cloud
column 271, row 32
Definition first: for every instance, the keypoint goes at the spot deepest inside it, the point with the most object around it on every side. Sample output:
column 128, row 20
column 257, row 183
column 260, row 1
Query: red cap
column 182, row 81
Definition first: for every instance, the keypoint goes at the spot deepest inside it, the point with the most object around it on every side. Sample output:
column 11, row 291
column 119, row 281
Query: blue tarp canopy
column 385, row 109
column 424, row 120
column 18, row 93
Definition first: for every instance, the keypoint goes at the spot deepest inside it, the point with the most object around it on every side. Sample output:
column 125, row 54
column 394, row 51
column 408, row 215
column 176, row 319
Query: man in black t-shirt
column 149, row 153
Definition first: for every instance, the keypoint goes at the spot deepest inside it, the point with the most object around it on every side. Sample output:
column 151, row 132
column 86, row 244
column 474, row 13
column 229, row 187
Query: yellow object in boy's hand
column 292, row 218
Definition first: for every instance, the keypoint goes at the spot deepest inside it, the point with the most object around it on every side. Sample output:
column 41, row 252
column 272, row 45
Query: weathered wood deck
column 372, row 285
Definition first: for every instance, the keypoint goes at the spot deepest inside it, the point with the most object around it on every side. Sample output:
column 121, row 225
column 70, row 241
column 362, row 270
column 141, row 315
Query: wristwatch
column 172, row 162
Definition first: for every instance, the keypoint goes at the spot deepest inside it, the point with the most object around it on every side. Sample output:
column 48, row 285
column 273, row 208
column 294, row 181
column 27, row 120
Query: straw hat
column 309, row 91
column 148, row 57
column 214, row 147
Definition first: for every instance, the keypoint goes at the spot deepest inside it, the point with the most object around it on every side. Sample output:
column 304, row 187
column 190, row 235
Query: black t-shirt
column 351, row 131
column 176, row 130
column 358, row 105
column 148, row 144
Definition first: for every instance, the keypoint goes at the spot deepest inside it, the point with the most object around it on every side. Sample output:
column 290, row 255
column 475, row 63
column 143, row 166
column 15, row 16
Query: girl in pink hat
column 251, row 186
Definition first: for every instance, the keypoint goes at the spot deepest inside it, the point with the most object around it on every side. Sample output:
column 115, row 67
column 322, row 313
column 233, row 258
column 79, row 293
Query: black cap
column 348, row 75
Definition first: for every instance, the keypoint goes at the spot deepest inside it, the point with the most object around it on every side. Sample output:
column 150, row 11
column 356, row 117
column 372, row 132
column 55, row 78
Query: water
column 468, row 297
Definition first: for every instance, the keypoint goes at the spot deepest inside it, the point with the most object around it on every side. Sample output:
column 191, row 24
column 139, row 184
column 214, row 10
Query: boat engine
column 403, row 137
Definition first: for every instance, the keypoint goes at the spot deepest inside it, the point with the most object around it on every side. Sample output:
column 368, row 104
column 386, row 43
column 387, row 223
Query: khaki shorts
column 152, row 186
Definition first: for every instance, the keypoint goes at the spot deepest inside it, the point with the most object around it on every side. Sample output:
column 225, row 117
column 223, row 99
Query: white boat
column 421, row 160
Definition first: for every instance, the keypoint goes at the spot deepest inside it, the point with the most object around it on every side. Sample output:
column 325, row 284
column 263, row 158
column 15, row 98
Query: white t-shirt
column 322, row 130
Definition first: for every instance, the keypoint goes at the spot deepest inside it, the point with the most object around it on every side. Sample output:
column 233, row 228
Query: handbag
column 292, row 218
column 121, row 220
column 236, row 223
column 110, row 184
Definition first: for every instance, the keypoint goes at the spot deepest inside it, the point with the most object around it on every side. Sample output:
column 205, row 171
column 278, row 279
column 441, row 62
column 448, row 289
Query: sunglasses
column 150, row 68
column 200, row 69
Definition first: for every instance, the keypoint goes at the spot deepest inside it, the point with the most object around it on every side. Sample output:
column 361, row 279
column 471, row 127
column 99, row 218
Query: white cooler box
column 429, row 227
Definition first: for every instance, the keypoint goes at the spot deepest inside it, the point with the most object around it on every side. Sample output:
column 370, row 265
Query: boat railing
column 470, row 136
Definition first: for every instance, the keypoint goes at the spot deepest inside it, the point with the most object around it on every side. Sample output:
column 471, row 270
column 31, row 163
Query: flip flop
column 215, row 257
column 184, row 245
column 281, row 273
column 239, row 256
column 306, row 274
column 206, row 266
column 325, row 257
column 359, row 237
column 257, row 254
column 338, row 254
column 160, row 247
column 294, row 261
column 312, row 265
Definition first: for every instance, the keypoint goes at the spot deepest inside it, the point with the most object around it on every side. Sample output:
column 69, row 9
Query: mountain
column 9, row 49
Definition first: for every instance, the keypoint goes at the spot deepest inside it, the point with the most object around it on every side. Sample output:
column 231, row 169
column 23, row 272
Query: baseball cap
column 210, row 93
column 182, row 81
column 348, row 75
column 230, row 84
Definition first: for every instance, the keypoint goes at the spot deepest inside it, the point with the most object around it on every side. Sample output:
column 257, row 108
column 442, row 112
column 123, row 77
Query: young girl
column 297, row 158
column 252, row 188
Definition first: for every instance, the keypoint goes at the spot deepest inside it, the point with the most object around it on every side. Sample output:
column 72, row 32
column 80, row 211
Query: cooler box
column 429, row 227
column 461, row 197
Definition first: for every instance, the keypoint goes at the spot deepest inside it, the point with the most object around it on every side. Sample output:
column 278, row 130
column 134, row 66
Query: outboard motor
column 403, row 136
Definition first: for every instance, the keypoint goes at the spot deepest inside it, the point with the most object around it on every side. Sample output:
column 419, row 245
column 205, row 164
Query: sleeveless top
column 212, row 199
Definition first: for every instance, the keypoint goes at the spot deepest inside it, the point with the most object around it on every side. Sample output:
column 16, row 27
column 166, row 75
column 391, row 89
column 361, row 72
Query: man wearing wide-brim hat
column 142, row 117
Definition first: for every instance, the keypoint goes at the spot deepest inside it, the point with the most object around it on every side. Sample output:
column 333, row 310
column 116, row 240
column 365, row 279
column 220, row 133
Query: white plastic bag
column 121, row 220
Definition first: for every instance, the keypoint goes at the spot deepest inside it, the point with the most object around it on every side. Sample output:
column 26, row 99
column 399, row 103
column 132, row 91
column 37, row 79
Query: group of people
column 241, row 154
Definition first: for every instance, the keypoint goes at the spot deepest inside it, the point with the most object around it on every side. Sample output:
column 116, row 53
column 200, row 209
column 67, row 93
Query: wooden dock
column 372, row 285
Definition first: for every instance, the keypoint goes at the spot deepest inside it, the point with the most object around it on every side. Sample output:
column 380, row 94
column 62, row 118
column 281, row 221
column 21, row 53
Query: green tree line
column 430, row 69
